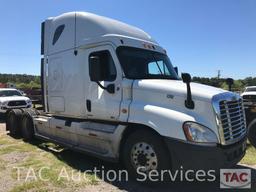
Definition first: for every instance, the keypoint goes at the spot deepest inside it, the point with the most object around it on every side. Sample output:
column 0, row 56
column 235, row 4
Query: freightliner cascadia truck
column 110, row 90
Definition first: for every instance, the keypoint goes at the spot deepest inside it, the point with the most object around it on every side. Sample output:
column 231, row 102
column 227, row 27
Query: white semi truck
column 110, row 90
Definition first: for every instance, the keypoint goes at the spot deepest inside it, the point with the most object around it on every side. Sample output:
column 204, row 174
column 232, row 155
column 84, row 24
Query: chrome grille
column 16, row 103
column 232, row 119
column 249, row 101
column 249, row 97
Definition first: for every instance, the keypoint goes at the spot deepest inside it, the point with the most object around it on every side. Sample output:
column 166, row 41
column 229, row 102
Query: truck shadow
column 82, row 162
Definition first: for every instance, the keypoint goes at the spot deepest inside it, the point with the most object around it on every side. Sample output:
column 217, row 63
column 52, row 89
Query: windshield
column 144, row 64
column 250, row 89
column 8, row 93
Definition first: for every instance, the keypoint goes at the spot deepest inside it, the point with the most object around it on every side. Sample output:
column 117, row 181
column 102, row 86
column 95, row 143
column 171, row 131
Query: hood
column 14, row 98
column 178, row 88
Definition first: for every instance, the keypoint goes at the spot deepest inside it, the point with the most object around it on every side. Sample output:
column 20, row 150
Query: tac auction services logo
column 235, row 178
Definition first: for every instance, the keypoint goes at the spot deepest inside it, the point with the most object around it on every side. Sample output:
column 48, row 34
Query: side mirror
column 176, row 70
column 111, row 88
column 189, row 103
column 96, row 74
column 186, row 77
column 230, row 82
column 95, row 69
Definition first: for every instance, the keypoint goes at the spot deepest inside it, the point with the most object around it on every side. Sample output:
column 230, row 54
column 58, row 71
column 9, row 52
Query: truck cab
column 110, row 90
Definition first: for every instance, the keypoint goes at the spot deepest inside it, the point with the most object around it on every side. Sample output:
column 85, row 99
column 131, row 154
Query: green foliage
column 32, row 81
column 30, row 85
column 18, row 78
column 239, row 84
column 21, row 80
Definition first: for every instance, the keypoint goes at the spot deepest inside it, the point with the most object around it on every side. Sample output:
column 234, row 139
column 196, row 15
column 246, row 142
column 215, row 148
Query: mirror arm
column 101, row 86
column 189, row 103
column 110, row 89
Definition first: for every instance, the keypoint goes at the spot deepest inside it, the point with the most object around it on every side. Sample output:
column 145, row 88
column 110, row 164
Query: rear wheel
column 143, row 152
column 13, row 120
column 252, row 132
column 27, row 124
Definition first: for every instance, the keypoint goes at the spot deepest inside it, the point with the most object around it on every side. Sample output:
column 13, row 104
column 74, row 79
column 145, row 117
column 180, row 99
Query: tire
column 13, row 121
column 144, row 148
column 2, row 117
column 252, row 133
column 27, row 125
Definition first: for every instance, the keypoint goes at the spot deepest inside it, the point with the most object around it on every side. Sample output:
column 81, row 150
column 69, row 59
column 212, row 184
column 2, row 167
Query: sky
column 200, row 36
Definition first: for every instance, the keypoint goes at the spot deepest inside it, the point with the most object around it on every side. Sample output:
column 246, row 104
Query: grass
column 29, row 186
column 250, row 156
column 38, row 156
column 2, row 165
column 5, row 141
column 19, row 147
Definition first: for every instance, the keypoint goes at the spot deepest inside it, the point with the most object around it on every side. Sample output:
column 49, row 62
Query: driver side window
column 107, row 64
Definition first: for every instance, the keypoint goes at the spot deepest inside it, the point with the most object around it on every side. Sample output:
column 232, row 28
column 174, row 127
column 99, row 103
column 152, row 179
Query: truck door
column 101, row 104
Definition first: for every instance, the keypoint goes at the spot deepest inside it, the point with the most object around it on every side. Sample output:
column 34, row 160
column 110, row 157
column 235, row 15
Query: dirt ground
column 82, row 162
column 2, row 128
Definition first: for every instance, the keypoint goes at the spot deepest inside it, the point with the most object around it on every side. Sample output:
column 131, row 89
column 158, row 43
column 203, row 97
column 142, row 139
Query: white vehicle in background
column 13, row 99
column 110, row 90
column 249, row 99
column 249, row 96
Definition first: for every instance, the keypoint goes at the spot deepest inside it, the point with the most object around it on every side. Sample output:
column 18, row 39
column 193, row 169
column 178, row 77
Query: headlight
column 3, row 102
column 29, row 102
column 198, row 133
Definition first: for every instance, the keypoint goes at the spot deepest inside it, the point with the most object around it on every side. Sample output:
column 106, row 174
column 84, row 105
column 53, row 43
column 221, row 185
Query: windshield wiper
column 157, row 64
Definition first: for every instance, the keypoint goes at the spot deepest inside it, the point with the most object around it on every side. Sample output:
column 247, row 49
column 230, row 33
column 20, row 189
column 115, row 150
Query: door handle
column 88, row 105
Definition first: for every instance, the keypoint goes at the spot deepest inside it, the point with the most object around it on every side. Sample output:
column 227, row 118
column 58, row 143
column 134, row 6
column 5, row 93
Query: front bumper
column 194, row 156
column 3, row 109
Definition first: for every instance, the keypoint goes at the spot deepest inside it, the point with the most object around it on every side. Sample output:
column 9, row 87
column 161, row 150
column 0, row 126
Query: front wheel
column 252, row 133
column 143, row 152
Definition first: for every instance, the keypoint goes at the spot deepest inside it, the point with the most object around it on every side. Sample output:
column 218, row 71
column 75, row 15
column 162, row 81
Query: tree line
column 33, row 81
column 21, row 80
column 238, row 85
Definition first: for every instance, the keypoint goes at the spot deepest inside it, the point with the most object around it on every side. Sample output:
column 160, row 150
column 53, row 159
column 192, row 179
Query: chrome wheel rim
column 144, row 157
